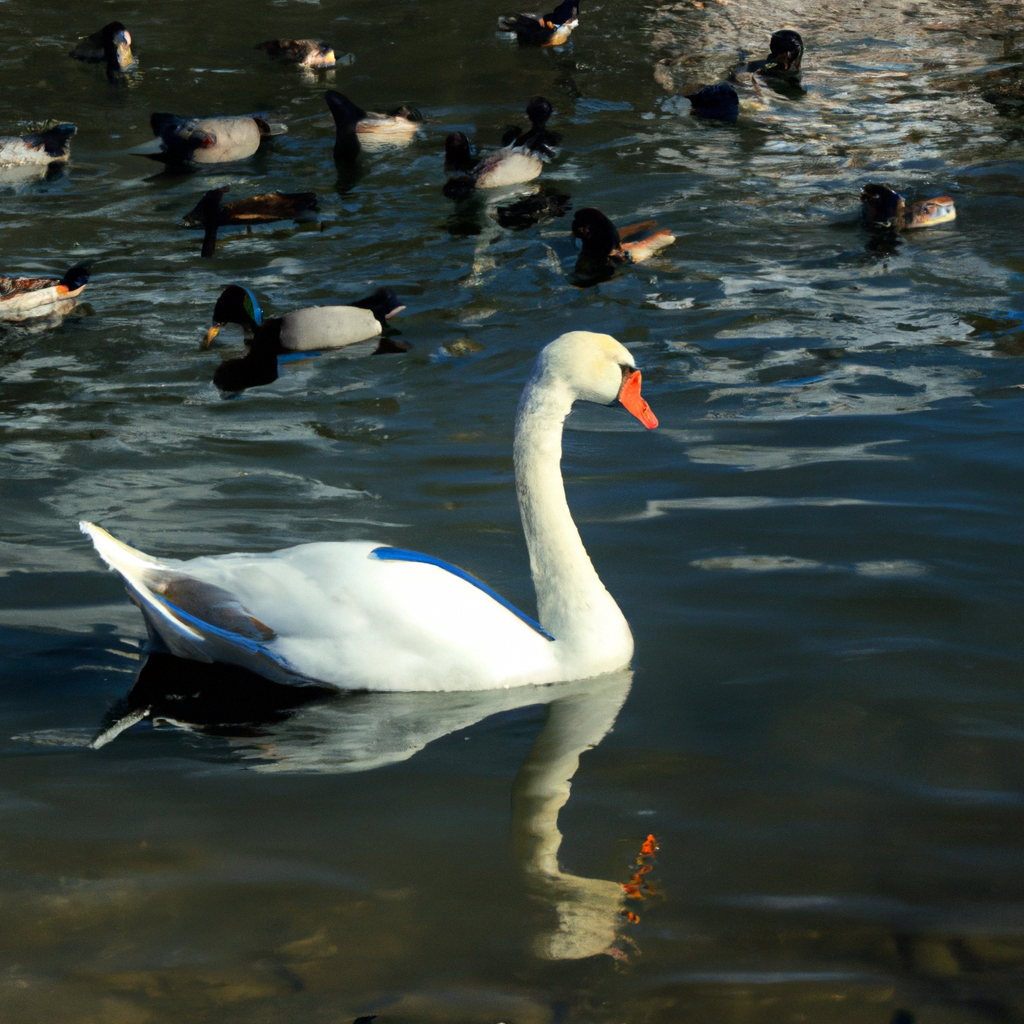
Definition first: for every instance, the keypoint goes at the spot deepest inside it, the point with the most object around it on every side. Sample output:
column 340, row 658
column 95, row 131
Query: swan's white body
column 359, row 615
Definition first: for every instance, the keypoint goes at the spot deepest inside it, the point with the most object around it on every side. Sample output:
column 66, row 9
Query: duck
column 394, row 127
column 542, row 205
column 508, row 166
column 537, row 140
column 210, row 214
column 111, row 44
column 551, row 29
column 719, row 102
column 787, row 50
column 346, row 126
column 603, row 249
column 363, row 615
column 194, row 141
column 309, row 330
column 309, row 53
column 22, row 298
column 883, row 208
column 52, row 146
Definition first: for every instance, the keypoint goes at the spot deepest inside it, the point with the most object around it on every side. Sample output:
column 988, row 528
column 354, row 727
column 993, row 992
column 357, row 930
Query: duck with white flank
column 309, row 53
column 210, row 214
column 603, row 249
column 537, row 140
column 22, row 298
column 510, row 165
column 111, row 45
column 309, row 330
column 884, row 209
column 363, row 615
column 551, row 29
column 40, row 149
column 196, row 141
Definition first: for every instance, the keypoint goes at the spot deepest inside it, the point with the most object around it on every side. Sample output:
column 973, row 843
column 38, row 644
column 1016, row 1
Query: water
column 819, row 550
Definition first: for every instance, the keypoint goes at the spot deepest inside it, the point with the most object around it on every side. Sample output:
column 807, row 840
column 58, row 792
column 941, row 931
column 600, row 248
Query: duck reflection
column 275, row 728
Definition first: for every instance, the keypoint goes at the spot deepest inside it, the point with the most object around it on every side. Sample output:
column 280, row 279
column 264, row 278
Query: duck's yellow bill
column 210, row 335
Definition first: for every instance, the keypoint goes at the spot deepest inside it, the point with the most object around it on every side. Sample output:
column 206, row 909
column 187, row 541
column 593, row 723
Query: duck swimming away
column 42, row 149
column 507, row 166
column 884, row 209
column 551, row 29
column 365, row 615
column 309, row 53
column 603, row 249
column 23, row 298
column 537, row 140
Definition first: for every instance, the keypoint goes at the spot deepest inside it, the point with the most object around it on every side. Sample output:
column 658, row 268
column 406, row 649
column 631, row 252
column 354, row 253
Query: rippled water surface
column 820, row 550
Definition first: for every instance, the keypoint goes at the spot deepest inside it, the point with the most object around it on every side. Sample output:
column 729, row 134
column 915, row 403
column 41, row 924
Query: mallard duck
column 210, row 214
column 508, row 166
column 194, row 141
column 52, row 146
column 716, row 102
column 537, row 140
column 310, row 53
column 883, row 208
column 603, row 249
column 530, row 210
column 22, row 298
column 360, row 615
column 309, row 330
column 551, row 29
column 395, row 127
column 112, row 44
column 787, row 50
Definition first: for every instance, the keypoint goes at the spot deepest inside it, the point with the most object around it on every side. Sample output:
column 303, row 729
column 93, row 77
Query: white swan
column 360, row 615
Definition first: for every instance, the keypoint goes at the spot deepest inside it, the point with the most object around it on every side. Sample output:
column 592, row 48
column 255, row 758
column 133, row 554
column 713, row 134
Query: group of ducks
column 364, row 615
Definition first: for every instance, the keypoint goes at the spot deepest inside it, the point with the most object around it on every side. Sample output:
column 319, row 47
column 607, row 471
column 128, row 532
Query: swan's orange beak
column 629, row 396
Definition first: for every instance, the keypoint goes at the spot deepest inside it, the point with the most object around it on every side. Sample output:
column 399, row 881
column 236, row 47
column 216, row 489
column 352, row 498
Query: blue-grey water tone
column 819, row 550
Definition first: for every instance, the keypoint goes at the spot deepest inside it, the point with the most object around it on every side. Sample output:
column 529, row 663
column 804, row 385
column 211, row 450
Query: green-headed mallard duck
column 195, row 141
column 22, row 298
column 312, row 329
column 508, row 166
column 551, row 29
column 111, row 45
column 310, row 53
column 603, row 249
column 883, row 208
column 52, row 146
column 787, row 50
column 210, row 214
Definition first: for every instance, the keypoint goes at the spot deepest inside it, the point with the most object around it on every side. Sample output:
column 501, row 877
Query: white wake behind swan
column 362, row 615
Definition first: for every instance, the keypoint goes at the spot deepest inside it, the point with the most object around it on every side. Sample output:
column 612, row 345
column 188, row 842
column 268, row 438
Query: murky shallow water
column 819, row 551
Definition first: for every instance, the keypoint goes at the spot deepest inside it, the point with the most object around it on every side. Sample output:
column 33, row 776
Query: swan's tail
column 194, row 619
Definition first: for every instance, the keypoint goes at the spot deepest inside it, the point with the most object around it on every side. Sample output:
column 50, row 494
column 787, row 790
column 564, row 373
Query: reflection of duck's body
column 194, row 141
column 883, row 208
column 22, row 298
column 603, row 249
column 41, row 149
column 210, row 214
column 111, row 45
column 309, row 53
column 551, row 29
column 361, row 615
column 530, row 210
column 787, row 50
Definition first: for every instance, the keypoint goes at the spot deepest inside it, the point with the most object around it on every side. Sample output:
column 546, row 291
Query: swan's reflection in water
column 275, row 728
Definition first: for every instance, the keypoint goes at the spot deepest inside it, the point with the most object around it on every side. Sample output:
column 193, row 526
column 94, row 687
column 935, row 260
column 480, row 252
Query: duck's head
column 929, row 212
column 881, row 206
column 787, row 49
column 117, row 46
column 596, row 368
column 321, row 55
column 598, row 234
column 538, row 110
column 408, row 113
column 458, row 158
column 236, row 305
column 566, row 13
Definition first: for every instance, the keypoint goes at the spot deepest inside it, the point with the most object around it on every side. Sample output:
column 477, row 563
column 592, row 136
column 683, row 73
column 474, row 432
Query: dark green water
column 820, row 550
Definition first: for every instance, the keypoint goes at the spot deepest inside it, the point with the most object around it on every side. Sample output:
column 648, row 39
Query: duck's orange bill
column 210, row 335
column 629, row 396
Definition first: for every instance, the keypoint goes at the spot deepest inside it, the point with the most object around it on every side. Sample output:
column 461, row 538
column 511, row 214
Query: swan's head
column 597, row 368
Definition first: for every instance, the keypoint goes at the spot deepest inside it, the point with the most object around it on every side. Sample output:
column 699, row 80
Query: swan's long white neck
column 572, row 602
